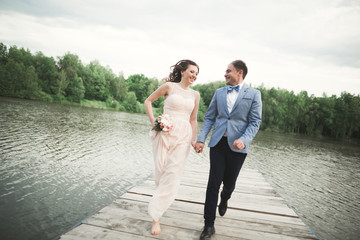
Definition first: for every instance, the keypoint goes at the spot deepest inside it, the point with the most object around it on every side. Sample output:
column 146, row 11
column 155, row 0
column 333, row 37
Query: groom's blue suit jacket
column 242, row 123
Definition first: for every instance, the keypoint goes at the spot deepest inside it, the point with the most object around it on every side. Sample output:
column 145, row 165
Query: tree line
column 67, row 80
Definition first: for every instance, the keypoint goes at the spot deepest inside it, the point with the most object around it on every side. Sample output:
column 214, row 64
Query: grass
column 94, row 104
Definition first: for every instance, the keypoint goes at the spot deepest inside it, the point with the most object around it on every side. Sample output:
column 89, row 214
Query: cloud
column 297, row 45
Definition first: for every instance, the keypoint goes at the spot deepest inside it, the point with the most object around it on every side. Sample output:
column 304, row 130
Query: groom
column 235, row 113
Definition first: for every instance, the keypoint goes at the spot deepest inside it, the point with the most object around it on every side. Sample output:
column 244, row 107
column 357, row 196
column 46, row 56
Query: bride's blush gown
column 171, row 149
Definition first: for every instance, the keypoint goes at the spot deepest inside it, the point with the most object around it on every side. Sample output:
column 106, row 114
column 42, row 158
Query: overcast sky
column 311, row 45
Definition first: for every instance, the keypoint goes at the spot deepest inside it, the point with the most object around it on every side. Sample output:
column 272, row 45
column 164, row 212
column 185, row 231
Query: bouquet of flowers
column 163, row 123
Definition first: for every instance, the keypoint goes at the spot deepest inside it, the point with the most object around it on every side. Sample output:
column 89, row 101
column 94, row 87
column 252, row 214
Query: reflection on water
column 60, row 164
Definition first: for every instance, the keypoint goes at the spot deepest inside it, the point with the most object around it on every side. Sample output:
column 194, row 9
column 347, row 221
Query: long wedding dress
column 170, row 150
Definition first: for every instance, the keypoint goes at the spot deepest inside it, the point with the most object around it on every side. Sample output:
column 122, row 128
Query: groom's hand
column 199, row 146
column 238, row 144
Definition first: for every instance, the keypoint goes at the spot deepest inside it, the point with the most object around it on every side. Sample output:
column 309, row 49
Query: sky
column 310, row 45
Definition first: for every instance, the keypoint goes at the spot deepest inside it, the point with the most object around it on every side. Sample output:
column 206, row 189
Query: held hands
column 238, row 144
column 198, row 146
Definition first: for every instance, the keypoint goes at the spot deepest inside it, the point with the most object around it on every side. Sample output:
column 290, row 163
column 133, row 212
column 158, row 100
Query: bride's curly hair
column 182, row 65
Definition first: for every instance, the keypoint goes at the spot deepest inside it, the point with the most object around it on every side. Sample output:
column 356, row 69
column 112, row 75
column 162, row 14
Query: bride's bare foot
column 155, row 230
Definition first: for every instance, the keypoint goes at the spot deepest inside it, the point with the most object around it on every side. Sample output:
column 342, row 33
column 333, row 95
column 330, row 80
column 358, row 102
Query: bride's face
column 190, row 74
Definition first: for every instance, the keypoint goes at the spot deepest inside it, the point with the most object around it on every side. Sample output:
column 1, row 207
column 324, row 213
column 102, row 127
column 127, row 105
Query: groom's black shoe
column 222, row 207
column 207, row 233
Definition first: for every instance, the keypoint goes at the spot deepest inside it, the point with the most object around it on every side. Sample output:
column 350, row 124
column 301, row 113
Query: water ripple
column 319, row 179
column 60, row 164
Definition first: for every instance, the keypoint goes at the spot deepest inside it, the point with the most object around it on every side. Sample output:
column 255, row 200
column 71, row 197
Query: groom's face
column 232, row 76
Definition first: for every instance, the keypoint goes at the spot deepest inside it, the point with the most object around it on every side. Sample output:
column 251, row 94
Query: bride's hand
column 199, row 146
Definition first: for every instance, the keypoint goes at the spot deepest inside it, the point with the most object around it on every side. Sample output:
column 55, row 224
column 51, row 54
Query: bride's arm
column 193, row 118
column 163, row 90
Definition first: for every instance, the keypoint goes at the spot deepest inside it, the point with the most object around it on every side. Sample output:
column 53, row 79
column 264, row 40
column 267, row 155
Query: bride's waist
column 179, row 116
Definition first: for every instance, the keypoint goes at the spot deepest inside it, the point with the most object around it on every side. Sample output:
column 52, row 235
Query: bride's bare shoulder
column 168, row 86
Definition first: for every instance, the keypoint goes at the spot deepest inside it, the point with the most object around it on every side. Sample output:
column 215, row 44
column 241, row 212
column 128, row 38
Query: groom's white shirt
column 232, row 96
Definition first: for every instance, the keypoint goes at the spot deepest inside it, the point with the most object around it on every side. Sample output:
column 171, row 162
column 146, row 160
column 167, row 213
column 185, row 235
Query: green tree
column 118, row 87
column 4, row 85
column 71, row 65
column 20, row 55
column 96, row 81
column 207, row 91
column 61, row 84
column 303, row 103
column 352, row 115
column 201, row 111
column 3, row 54
column 30, row 88
column 340, row 119
column 47, row 72
column 76, row 90
column 25, row 75
column 14, row 77
column 311, row 117
column 326, row 115
column 131, row 103
column 139, row 84
column 292, row 112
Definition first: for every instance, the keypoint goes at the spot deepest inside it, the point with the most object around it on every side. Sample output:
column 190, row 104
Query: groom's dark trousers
column 225, row 166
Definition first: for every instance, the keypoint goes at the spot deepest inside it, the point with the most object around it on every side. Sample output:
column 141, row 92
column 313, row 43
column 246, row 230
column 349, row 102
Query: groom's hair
column 240, row 65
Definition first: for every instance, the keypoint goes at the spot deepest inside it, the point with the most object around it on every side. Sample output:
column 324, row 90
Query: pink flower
column 163, row 123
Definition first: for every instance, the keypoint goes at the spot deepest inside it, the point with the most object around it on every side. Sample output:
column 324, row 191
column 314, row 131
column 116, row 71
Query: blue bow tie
column 230, row 88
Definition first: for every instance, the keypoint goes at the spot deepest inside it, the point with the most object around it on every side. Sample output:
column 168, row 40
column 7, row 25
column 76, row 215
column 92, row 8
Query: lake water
column 60, row 164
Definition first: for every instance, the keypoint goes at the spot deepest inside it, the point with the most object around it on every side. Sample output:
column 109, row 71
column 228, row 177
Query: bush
column 40, row 95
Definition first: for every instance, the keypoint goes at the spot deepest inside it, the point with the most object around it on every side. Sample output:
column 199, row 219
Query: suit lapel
column 223, row 98
column 242, row 93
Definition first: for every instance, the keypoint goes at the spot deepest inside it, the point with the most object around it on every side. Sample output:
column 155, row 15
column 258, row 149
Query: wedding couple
column 235, row 113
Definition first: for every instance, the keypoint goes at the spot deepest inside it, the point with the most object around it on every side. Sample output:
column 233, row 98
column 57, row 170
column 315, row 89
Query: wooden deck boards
column 255, row 211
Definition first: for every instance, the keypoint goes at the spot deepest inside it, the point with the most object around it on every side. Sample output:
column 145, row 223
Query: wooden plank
column 242, row 177
column 244, row 188
column 128, row 216
column 275, row 205
column 241, row 214
column 87, row 232
column 184, row 185
column 123, row 220
column 255, row 211
column 204, row 178
column 230, row 219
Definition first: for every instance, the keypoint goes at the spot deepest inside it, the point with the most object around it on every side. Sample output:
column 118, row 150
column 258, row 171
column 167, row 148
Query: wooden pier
column 255, row 211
